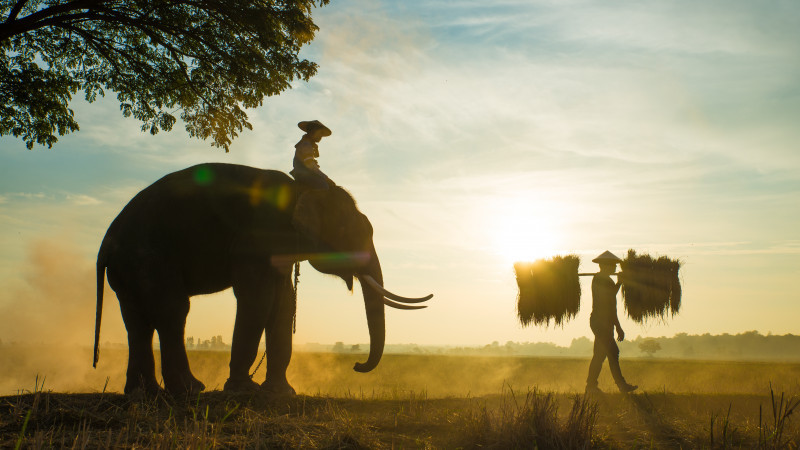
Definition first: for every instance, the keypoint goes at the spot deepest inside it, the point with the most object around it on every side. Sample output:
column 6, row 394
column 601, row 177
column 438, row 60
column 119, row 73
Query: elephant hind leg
column 141, row 373
column 171, row 323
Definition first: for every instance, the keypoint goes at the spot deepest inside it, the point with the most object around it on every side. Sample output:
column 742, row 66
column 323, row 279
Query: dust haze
column 47, row 321
column 47, row 326
column 54, row 301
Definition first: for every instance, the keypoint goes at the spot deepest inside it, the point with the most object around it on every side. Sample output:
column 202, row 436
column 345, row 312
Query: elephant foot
column 143, row 388
column 237, row 385
column 183, row 385
column 195, row 387
column 278, row 389
column 141, row 393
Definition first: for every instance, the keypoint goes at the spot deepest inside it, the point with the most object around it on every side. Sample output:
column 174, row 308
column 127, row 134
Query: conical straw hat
column 607, row 257
column 311, row 126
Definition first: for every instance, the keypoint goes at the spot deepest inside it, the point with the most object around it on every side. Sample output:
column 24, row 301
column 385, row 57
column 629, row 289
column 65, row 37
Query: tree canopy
column 206, row 60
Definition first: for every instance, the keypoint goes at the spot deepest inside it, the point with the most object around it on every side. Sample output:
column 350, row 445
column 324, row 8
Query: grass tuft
column 773, row 435
column 531, row 423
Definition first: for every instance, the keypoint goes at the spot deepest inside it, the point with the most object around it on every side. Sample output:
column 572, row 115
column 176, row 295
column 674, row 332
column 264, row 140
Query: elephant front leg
column 170, row 324
column 279, row 339
column 253, row 289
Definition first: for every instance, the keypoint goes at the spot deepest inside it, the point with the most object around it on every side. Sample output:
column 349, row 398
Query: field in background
column 409, row 401
column 331, row 374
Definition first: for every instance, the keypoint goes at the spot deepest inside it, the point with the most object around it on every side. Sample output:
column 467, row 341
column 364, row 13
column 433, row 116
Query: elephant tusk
column 375, row 285
column 388, row 302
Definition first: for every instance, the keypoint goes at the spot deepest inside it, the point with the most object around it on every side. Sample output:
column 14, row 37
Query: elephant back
column 207, row 204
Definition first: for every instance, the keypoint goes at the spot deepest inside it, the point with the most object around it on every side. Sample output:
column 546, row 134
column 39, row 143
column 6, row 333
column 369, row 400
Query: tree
column 649, row 346
column 207, row 60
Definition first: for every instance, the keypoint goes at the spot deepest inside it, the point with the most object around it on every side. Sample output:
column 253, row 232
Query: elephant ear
column 307, row 217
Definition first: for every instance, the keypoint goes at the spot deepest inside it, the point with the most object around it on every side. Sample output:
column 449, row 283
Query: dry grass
column 44, row 419
column 651, row 287
column 532, row 421
column 549, row 289
column 430, row 402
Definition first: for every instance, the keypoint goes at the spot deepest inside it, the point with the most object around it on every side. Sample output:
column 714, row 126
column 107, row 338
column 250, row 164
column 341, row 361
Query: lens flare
column 344, row 259
column 203, row 175
column 277, row 196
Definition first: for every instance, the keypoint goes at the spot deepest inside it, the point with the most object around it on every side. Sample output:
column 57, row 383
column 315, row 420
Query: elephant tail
column 101, row 275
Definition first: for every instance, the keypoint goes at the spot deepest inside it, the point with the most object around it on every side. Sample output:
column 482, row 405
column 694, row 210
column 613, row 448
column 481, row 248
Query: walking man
column 603, row 321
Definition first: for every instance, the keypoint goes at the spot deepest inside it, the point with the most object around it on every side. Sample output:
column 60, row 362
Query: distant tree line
column 750, row 345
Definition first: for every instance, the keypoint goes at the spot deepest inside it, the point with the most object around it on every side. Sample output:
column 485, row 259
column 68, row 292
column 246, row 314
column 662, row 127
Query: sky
column 474, row 134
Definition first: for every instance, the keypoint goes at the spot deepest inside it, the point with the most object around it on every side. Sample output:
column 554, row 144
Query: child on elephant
column 306, row 168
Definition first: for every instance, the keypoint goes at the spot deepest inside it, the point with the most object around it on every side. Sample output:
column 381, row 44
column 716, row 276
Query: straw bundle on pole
column 548, row 289
column 650, row 286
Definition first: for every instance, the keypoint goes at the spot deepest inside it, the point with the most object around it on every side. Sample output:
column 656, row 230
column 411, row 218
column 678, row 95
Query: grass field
column 410, row 401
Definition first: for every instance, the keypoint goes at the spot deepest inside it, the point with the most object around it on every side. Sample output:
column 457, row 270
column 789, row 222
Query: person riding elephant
column 306, row 168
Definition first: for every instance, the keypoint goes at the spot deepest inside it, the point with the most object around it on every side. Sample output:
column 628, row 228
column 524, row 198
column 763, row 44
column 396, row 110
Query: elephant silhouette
column 214, row 226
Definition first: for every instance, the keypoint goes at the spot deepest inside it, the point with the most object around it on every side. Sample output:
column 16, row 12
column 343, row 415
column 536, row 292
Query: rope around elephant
column 294, row 316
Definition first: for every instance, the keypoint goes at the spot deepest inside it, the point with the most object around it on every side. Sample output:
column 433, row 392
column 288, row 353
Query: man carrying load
column 603, row 320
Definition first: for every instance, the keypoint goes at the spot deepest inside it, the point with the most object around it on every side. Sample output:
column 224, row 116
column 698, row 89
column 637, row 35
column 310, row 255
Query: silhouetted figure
column 306, row 168
column 603, row 321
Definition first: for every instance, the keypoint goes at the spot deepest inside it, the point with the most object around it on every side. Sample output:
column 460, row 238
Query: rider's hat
column 314, row 127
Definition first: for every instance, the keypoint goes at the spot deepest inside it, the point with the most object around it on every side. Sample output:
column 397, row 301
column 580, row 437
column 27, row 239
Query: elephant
column 214, row 226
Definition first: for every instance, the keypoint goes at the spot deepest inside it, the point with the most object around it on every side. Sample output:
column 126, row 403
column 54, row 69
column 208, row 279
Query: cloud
column 675, row 84
column 82, row 200
column 27, row 195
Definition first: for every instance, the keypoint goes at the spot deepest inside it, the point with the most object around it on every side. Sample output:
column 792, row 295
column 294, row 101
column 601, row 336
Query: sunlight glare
column 522, row 230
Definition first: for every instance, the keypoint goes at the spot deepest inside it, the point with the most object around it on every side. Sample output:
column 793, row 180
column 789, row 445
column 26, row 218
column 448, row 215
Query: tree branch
column 15, row 10
column 33, row 21
column 205, row 57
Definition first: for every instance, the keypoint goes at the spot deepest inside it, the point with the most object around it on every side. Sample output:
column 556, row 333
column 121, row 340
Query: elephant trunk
column 376, row 318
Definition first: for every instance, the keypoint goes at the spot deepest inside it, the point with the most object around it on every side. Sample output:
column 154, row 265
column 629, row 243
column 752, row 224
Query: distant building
column 215, row 343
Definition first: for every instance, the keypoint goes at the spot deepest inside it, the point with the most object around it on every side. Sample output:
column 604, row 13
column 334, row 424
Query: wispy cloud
column 27, row 195
column 639, row 83
column 82, row 200
column 73, row 198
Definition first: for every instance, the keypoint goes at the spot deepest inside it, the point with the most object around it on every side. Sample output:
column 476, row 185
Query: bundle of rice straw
column 548, row 289
column 650, row 287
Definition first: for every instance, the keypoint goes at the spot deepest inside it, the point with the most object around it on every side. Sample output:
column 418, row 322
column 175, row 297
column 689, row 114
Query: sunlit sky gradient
column 474, row 134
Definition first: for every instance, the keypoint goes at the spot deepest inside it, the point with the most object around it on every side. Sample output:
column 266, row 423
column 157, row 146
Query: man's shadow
column 663, row 434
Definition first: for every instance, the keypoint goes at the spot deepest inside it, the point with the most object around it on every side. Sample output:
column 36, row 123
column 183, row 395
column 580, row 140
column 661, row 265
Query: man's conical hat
column 607, row 257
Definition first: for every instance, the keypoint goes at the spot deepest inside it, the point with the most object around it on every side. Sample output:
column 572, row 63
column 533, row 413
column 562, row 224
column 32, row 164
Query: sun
column 521, row 231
